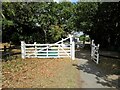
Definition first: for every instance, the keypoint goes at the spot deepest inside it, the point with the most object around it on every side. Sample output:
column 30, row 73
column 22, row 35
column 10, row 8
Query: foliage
column 46, row 14
column 82, row 38
column 105, row 27
column 55, row 32
column 47, row 22
column 84, row 14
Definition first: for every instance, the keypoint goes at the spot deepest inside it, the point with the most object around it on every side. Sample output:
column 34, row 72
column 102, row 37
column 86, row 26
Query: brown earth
column 41, row 73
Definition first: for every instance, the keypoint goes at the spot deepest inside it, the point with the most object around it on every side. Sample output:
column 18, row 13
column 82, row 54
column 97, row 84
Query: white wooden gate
column 56, row 50
column 95, row 52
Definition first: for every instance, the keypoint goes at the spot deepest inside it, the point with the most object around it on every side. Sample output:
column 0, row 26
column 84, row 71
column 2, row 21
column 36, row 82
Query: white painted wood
column 64, row 51
column 97, row 58
column 62, row 40
column 23, row 49
column 71, row 45
column 47, row 50
column 35, row 50
column 94, row 52
column 73, row 51
column 45, row 57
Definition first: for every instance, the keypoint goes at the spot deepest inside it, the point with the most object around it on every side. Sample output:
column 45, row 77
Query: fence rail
column 48, row 50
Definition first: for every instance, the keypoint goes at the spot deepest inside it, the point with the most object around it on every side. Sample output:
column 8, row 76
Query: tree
column 83, row 17
column 46, row 14
column 13, row 12
column 56, row 20
column 105, row 29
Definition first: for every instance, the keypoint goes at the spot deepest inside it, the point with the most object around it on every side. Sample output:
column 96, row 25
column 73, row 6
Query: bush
column 84, row 38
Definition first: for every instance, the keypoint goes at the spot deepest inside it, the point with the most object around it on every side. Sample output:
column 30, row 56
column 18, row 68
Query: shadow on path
column 92, row 75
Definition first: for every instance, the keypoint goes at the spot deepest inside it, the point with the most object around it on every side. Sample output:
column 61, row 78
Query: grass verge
column 40, row 73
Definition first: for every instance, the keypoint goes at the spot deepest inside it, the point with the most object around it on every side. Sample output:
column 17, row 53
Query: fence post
column 70, row 45
column 73, row 49
column 35, row 49
column 92, row 48
column 23, row 49
column 98, row 53
column 47, row 51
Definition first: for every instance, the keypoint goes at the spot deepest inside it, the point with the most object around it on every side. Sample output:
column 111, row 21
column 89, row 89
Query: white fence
column 94, row 52
column 48, row 50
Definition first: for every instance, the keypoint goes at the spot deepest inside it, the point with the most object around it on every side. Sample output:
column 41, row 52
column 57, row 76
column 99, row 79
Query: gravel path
column 90, row 74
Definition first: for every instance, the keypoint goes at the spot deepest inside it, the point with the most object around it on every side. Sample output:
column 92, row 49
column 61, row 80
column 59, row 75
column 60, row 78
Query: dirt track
column 93, row 75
